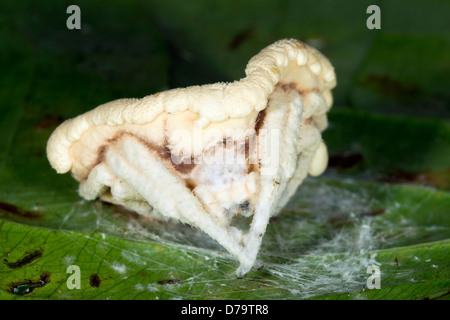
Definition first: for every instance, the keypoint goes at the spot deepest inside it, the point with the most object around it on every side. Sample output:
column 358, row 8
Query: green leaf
column 389, row 148
column 320, row 246
column 383, row 201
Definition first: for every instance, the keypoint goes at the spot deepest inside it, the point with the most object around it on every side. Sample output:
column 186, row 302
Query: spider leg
column 98, row 181
column 133, row 163
column 283, row 115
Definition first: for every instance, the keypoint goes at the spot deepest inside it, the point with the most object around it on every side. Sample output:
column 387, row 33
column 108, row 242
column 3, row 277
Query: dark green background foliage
column 384, row 199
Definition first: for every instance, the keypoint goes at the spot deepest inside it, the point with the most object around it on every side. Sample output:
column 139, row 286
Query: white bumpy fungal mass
column 203, row 155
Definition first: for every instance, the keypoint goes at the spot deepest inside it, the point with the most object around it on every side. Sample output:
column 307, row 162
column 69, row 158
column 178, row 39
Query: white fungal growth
column 205, row 154
column 119, row 268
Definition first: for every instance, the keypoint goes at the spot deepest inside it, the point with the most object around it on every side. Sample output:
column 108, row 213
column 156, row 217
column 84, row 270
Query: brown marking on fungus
column 259, row 123
column 308, row 121
column 94, row 281
column 294, row 86
column 249, row 153
column 30, row 257
column 10, row 209
column 247, row 148
column 286, row 86
column 162, row 152
column 304, row 92
column 185, row 168
column 190, row 184
column 283, row 86
column 100, row 155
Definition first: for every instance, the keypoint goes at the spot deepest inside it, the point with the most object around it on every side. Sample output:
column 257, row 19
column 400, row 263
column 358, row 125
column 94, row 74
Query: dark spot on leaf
column 404, row 177
column 274, row 219
column 10, row 209
column 442, row 295
column 169, row 282
column 437, row 179
column 94, row 281
column 26, row 287
column 49, row 121
column 374, row 213
column 388, row 86
column 345, row 161
column 239, row 38
column 30, row 257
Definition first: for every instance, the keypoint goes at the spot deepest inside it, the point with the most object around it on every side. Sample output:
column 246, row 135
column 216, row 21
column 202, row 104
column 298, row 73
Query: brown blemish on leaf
column 49, row 121
column 388, row 86
column 438, row 179
column 169, row 282
column 30, row 257
column 441, row 296
column 345, row 161
column 11, row 209
column 239, row 38
column 94, row 281
column 374, row 213
column 26, row 287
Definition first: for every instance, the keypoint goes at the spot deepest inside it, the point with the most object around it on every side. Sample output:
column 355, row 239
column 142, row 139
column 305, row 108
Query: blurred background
column 389, row 127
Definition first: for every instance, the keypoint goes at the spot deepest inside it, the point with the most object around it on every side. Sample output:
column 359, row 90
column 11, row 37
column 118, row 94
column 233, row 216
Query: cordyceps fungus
column 205, row 154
